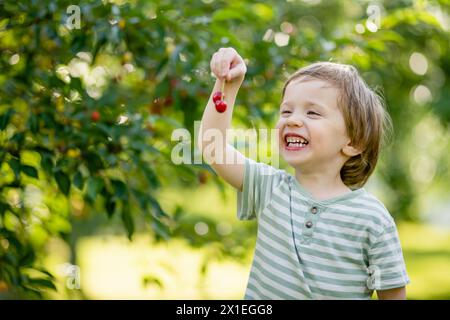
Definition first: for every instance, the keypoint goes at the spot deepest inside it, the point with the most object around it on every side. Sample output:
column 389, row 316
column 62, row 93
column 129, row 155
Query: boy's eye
column 285, row 111
column 313, row 113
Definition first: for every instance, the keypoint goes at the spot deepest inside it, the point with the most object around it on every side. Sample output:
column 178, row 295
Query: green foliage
column 144, row 66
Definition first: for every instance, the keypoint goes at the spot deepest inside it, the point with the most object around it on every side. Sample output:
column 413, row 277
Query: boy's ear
column 350, row 150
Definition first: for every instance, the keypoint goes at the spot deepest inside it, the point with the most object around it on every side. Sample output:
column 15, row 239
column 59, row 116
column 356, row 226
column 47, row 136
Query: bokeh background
column 91, row 205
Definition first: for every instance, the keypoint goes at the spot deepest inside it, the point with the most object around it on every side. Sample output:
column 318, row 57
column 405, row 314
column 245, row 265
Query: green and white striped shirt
column 340, row 248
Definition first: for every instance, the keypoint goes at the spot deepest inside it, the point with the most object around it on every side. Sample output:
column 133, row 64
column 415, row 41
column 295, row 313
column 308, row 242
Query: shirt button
column 314, row 210
column 309, row 224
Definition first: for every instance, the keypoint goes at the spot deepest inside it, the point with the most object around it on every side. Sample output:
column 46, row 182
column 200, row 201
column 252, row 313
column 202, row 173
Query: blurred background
column 91, row 205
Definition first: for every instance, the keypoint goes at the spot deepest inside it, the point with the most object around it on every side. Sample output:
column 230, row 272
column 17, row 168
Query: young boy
column 321, row 235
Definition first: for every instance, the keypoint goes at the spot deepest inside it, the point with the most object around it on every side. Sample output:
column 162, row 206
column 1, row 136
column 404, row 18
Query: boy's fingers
column 212, row 63
column 233, row 73
column 218, row 65
column 227, row 58
column 225, row 64
column 236, row 71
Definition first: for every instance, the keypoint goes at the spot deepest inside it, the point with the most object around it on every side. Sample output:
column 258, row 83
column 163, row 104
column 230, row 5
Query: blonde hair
column 367, row 122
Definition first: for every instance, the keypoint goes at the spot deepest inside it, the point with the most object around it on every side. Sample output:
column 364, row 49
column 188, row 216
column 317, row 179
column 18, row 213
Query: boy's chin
column 293, row 161
column 295, row 158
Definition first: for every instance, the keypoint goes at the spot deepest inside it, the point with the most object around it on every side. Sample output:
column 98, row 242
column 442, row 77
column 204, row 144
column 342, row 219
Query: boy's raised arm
column 226, row 64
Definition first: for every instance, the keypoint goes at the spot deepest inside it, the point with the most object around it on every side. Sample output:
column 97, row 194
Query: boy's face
column 311, row 127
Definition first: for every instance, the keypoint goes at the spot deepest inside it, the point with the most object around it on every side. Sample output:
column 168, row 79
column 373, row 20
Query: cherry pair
column 218, row 99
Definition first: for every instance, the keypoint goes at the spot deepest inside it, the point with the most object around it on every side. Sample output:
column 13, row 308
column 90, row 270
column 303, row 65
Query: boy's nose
column 295, row 121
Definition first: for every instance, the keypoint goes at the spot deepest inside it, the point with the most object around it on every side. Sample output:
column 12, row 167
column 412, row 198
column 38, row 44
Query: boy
column 321, row 235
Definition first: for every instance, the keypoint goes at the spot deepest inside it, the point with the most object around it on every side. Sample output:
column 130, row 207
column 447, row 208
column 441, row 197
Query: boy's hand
column 228, row 64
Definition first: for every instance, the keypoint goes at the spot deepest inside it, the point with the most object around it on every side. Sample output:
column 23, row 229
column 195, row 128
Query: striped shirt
column 339, row 248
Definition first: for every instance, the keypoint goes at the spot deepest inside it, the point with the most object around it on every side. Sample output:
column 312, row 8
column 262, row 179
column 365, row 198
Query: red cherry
column 203, row 93
column 168, row 101
column 156, row 106
column 221, row 106
column 202, row 177
column 95, row 116
column 217, row 97
column 183, row 93
column 173, row 83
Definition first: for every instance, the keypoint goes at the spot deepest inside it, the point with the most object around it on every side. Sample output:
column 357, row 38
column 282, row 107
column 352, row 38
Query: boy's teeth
column 296, row 144
column 295, row 140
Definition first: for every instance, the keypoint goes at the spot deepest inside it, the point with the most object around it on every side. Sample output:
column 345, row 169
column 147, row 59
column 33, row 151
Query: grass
column 114, row 268
column 426, row 250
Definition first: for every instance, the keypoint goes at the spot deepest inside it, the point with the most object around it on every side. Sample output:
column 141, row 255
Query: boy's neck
column 322, row 185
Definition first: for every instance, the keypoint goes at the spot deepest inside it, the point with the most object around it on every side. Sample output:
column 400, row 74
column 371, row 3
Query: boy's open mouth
column 294, row 142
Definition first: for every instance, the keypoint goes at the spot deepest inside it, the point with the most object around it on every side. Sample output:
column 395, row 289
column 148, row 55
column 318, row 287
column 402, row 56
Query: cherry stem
column 223, row 88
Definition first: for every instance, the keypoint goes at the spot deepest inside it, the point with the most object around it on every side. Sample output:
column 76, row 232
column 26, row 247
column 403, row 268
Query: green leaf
column 78, row 180
column 47, row 163
column 151, row 280
column 120, row 189
column 105, row 130
column 14, row 164
column 127, row 220
column 141, row 197
column 28, row 257
column 3, row 207
column 102, row 39
column 33, row 123
column 30, row 171
column 63, row 182
column 141, row 146
column 5, row 118
column 151, row 177
column 110, row 206
column 42, row 282
column 160, row 229
column 227, row 14
column 18, row 138
column 263, row 11
column 93, row 161
column 47, row 273
column 94, row 186
column 158, row 211
column 161, row 66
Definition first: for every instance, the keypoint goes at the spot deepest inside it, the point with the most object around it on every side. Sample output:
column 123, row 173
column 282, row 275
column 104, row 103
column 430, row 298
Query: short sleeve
column 259, row 181
column 386, row 263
